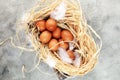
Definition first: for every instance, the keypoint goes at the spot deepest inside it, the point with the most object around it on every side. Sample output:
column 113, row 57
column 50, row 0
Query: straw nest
column 73, row 21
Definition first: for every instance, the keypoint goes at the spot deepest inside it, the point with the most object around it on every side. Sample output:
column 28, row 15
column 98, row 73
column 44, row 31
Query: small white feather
column 77, row 60
column 26, row 17
column 64, row 56
column 71, row 47
column 59, row 12
column 51, row 62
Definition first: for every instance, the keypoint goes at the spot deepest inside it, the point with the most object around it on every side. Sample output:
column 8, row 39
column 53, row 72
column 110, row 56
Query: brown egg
column 51, row 24
column 71, row 54
column 66, row 35
column 52, row 45
column 40, row 25
column 45, row 36
column 57, row 33
column 63, row 45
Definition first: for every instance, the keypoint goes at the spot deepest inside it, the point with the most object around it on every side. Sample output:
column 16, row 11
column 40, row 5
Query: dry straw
column 87, row 41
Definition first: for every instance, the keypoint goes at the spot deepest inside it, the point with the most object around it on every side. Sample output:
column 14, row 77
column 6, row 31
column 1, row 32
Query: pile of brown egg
column 51, row 34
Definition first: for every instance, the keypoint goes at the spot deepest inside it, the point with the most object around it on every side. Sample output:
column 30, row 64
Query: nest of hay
column 73, row 21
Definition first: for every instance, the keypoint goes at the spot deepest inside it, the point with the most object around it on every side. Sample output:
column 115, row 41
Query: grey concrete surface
column 102, row 15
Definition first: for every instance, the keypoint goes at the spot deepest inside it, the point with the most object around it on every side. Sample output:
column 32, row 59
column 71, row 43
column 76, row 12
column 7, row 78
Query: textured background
column 103, row 15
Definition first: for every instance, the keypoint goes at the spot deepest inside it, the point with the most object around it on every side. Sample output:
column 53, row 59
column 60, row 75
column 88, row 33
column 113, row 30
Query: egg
column 71, row 54
column 40, row 25
column 52, row 45
column 66, row 35
column 51, row 24
column 45, row 36
column 56, row 34
column 63, row 45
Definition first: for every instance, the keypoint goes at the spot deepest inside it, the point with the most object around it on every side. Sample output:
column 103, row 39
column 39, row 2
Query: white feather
column 59, row 12
column 64, row 56
column 71, row 47
column 77, row 60
column 50, row 62
column 26, row 17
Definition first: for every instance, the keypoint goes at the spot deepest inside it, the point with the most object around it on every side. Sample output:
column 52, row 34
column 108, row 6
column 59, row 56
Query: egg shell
column 52, row 45
column 71, row 54
column 63, row 44
column 51, row 24
column 66, row 35
column 40, row 25
column 57, row 33
column 45, row 36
